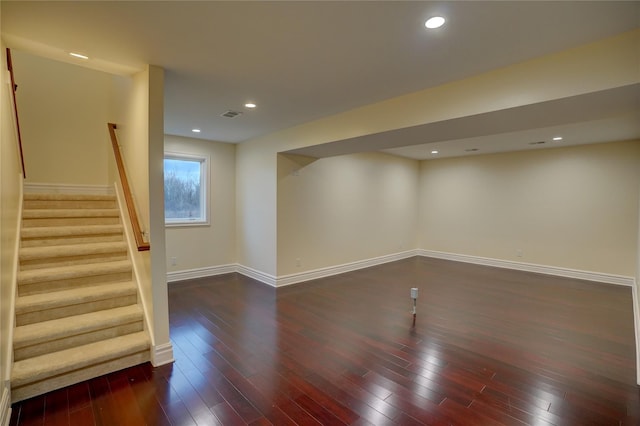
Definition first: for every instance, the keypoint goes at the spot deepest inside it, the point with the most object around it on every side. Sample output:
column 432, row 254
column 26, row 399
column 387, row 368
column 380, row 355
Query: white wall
column 338, row 210
column 63, row 113
column 209, row 245
column 10, row 192
column 574, row 207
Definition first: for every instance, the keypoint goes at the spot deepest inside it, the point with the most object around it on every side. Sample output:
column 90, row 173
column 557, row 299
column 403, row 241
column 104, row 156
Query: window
column 185, row 189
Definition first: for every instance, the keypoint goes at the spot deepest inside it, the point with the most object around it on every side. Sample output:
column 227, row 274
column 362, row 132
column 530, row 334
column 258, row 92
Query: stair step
column 76, row 312
column 33, row 253
column 66, row 217
column 68, row 277
column 65, row 197
column 60, row 304
column 68, row 213
column 44, row 236
column 69, row 217
column 41, row 374
column 70, row 231
column 43, row 257
column 59, row 334
column 68, row 201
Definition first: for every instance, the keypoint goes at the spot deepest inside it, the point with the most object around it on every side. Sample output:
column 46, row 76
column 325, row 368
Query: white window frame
column 204, row 189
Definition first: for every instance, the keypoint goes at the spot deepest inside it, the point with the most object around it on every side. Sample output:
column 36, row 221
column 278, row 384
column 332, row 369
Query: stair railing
column 133, row 217
column 14, row 87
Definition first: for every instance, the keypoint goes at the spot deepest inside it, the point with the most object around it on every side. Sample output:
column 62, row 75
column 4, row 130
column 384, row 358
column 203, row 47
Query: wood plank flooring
column 490, row 347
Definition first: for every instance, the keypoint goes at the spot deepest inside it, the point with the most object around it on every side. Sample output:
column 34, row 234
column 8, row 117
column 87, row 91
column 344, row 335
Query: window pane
column 182, row 185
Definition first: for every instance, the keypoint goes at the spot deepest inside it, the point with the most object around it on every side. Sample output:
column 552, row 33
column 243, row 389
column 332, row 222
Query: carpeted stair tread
column 68, row 213
column 45, row 366
column 32, row 253
column 57, row 299
column 70, row 231
column 68, row 197
column 74, row 271
column 76, row 312
column 46, row 331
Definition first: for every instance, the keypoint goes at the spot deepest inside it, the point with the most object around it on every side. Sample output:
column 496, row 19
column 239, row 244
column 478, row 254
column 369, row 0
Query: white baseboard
column 530, row 267
column 65, row 188
column 290, row 279
column 5, row 405
column 257, row 275
column 341, row 269
column 162, row 354
column 636, row 323
column 189, row 274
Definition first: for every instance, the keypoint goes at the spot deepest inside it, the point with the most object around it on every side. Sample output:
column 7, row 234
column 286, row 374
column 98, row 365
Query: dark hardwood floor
column 490, row 346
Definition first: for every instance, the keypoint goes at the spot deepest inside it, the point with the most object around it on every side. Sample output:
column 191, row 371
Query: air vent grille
column 230, row 114
column 536, row 143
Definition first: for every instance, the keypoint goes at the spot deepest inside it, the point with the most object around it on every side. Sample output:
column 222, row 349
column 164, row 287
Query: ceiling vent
column 536, row 143
column 230, row 114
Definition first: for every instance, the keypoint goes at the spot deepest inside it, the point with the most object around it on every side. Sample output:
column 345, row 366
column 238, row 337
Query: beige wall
column 256, row 166
column 136, row 105
column 603, row 65
column 63, row 113
column 573, row 207
column 636, row 290
column 129, row 110
column 155, row 179
column 213, row 244
column 10, row 191
column 343, row 209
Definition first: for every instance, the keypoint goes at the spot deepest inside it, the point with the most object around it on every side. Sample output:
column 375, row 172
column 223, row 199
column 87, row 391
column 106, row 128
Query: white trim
column 65, row 188
column 636, row 327
column 263, row 277
column 205, row 182
column 162, row 354
column 290, row 279
column 134, row 256
column 210, row 271
column 14, row 282
column 5, row 406
column 341, row 269
column 530, row 267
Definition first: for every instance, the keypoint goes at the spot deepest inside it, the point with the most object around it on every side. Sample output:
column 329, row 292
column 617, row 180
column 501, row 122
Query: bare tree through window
column 183, row 186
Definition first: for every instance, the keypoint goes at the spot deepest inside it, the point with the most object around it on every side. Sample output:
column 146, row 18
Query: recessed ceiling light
column 434, row 152
column 78, row 55
column 250, row 105
column 557, row 138
column 434, row 22
column 195, row 130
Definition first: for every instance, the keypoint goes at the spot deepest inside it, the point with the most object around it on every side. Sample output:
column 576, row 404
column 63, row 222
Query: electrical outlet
column 519, row 252
column 174, row 261
column 298, row 262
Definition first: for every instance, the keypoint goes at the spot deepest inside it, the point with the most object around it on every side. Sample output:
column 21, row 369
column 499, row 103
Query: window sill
column 185, row 224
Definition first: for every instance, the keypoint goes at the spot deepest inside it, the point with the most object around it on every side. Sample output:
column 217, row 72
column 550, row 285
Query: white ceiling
column 300, row 61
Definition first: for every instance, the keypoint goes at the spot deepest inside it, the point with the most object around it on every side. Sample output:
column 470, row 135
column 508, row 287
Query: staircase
column 77, row 312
